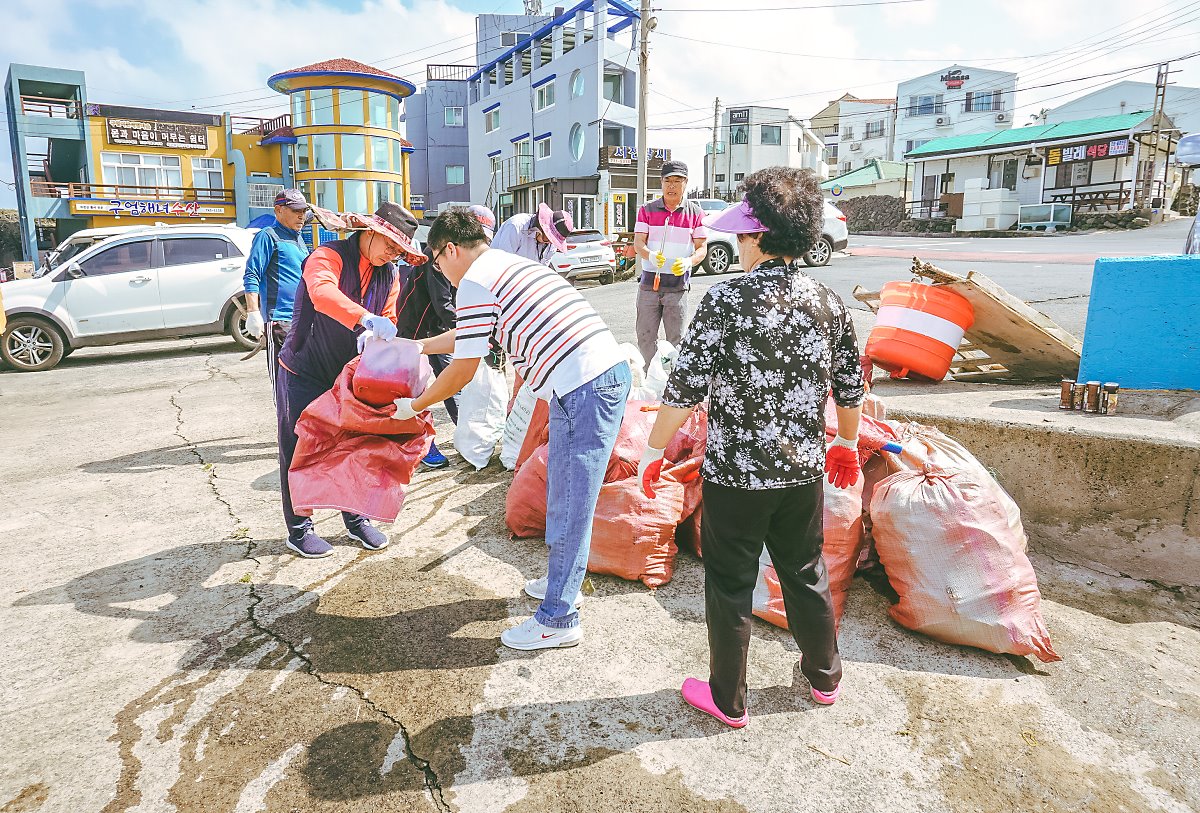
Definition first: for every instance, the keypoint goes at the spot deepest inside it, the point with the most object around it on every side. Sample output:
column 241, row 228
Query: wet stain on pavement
column 31, row 798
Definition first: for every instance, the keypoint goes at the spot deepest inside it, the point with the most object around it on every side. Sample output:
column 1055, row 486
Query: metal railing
column 978, row 106
column 250, row 125
column 51, row 189
column 51, row 108
column 448, row 73
column 918, row 111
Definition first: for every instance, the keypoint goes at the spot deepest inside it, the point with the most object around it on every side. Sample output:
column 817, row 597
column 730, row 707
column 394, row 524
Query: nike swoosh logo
column 551, row 635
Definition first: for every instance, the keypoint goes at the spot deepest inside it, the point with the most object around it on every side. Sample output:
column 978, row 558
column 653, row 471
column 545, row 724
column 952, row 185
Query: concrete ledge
column 1117, row 493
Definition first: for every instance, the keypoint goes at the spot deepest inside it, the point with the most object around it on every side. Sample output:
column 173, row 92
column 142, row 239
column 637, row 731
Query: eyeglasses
column 436, row 254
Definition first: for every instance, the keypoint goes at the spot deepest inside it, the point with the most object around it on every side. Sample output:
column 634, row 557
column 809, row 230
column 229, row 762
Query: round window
column 576, row 141
column 577, row 84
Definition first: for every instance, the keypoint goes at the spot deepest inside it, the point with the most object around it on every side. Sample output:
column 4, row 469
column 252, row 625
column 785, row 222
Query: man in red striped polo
column 565, row 352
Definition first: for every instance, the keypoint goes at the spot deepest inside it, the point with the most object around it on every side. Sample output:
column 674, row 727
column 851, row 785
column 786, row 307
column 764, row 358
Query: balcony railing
column 92, row 191
column 51, row 108
column 982, row 107
column 249, row 125
column 448, row 73
column 925, row 110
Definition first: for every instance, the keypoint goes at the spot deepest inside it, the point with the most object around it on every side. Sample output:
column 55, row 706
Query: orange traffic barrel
column 918, row 329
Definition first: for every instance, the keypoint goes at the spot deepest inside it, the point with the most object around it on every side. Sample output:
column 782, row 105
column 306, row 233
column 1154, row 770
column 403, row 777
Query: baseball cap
column 291, row 198
column 670, row 168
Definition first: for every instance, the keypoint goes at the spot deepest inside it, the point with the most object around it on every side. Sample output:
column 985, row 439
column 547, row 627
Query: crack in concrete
column 1057, row 299
column 433, row 783
column 1175, row 589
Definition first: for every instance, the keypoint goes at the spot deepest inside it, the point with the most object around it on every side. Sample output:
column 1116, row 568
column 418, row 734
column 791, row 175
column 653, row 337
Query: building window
column 739, row 134
column 739, row 176
column 355, row 193
column 720, row 177
column 206, row 175
column 543, row 148
column 299, row 114
column 545, row 97
column 350, row 108
column 613, row 85
column 320, row 106
column 874, row 129
column 383, row 193
column 380, row 147
column 323, row 157
column 582, row 209
column 134, row 170
column 378, row 109
column 984, row 102
column 397, row 157
column 926, row 105
column 510, row 38
column 847, row 133
column 491, row 120
column 354, row 152
column 576, row 141
column 913, row 144
column 455, row 175
column 846, row 167
column 770, row 135
column 496, row 164
column 262, row 195
column 523, row 149
column 300, row 151
column 454, row 117
column 577, row 84
column 325, row 194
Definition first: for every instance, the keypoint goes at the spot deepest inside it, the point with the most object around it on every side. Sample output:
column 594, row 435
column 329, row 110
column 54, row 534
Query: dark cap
column 291, row 198
column 670, row 168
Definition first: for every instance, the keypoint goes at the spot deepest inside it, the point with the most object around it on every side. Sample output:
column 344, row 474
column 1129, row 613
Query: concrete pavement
column 165, row 653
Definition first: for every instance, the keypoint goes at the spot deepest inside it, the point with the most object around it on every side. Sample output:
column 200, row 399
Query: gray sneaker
column 368, row 536
column 310, row 546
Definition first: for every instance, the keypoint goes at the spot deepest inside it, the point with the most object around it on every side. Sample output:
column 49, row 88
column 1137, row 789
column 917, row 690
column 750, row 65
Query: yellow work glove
column 679, row 266
column 660, row 259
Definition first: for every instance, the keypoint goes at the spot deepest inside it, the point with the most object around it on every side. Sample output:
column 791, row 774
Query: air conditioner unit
column 1001, row 118
column 942, row 121
column 857, row 145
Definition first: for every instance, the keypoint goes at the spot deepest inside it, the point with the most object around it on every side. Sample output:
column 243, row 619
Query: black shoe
column 368, row 535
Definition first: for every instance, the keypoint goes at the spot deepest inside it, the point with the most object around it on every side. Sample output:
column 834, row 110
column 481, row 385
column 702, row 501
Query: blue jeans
column 583, row 430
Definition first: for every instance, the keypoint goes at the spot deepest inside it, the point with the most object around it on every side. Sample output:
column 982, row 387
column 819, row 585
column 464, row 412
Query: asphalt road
column 1054, row 274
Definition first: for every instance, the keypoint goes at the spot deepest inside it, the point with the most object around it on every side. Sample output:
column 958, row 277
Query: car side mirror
column 74, row 271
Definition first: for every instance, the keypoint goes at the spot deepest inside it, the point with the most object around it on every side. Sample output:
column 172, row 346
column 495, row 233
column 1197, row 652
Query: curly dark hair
column 789, row 203
column 456, row 225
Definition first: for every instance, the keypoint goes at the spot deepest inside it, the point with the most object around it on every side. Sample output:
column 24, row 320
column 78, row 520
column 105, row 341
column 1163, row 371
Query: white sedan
column 722, row 248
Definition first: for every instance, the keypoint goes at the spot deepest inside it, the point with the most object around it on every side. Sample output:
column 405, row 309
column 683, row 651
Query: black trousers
column 276, row 333
column 736, row 523
column 292, row 394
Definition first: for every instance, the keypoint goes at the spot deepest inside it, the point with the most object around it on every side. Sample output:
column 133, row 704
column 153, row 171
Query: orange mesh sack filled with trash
column 955, row 554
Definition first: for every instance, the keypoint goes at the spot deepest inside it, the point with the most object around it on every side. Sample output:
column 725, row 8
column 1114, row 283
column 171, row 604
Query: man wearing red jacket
column 346, row 296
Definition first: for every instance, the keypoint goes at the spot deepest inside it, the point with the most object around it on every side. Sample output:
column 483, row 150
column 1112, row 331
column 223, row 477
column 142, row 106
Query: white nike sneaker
column 537, row 589
column 531, row 634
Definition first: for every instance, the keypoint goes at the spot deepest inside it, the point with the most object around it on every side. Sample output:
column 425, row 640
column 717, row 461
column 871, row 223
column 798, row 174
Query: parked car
column 835, row 236
column 710, row 205
column 589, row 256
column 152, row 283
column 76, row 243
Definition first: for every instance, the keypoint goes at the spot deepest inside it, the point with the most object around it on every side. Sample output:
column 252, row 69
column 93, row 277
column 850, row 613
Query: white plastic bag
column 637, row 364
column 516, row 427
column 481, row 418
column 660, row 368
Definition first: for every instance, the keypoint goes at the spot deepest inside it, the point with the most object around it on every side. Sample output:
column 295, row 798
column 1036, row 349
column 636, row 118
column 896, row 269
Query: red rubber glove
column 650, row 469
column 841, row 463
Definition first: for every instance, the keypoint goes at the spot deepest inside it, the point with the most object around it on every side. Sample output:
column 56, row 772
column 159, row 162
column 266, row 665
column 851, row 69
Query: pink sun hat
column 737, row 219
column 556, row 225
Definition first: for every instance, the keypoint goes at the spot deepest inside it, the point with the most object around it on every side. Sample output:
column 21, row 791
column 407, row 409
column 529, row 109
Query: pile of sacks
column 947, row 534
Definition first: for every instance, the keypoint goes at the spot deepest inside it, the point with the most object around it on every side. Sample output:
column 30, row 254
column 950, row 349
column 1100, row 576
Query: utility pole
column 710, row 169
column 648, row 24
column 1160, row 102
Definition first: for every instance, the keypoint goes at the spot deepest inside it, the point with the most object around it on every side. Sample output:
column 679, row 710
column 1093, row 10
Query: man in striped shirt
column 563, row 350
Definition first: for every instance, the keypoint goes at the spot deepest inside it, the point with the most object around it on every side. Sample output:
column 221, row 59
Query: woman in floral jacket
column 765, row 349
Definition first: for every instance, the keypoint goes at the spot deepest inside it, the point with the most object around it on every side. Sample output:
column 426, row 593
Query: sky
column 215, row 55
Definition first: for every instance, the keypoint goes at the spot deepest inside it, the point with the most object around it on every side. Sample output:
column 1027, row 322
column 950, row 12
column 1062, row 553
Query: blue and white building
column 436, row 120
column 546, row 115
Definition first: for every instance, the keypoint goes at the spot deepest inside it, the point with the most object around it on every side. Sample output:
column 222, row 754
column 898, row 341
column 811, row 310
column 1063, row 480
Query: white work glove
column 255, row 324
column 377, row 327
column 660, row 259
column 679, row 266
column 650, row 469
column 404, row 409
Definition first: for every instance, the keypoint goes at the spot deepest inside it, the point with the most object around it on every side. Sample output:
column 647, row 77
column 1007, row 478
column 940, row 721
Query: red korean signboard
column 1088, row 151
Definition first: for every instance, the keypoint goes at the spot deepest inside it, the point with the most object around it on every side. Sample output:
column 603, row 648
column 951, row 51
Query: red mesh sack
column 351, row 456
column 633, row 536
column 955, row 555
column 525, row 503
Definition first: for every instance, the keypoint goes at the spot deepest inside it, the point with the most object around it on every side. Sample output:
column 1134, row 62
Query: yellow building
column 349, row 153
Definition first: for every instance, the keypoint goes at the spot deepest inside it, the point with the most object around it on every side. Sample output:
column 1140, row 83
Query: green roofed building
column 876, row 177
column 1096, row 164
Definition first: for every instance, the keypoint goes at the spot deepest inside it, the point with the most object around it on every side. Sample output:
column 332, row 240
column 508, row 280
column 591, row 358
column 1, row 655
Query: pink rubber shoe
column 826, row 698
column 698, row 694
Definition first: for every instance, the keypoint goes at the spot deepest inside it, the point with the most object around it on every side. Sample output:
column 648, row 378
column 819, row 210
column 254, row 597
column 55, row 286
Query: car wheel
column 237, row 326
column 820, row 253
column 32, row 345
column 718, row 259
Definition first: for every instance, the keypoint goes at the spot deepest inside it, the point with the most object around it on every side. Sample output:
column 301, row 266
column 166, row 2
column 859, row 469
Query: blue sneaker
column 368, row 535
column 435, row 459
column 310, row 546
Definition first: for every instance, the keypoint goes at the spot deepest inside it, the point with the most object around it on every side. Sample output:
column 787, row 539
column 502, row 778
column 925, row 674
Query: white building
column 543, row 113
column 953, row 101
column 1182, row 104
column 855, row 132
column 755, row 138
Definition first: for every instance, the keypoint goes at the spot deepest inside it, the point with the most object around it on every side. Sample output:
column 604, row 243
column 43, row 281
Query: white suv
column 154, row 283
column 835, row 236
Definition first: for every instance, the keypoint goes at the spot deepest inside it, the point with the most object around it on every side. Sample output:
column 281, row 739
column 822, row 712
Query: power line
column 740, row 9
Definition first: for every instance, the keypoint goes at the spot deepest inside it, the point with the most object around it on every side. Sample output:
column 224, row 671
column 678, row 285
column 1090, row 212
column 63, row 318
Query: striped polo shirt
column 671, row 231
column 556, row 340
